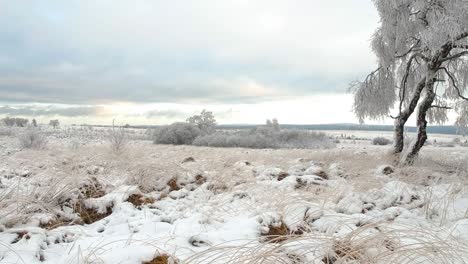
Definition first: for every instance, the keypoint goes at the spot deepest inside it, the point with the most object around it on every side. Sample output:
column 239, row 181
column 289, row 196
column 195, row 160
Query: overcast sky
column 155, row 61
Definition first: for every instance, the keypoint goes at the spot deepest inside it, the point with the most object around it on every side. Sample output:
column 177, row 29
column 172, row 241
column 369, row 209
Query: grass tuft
column 277, row 232
column 138, row 200
column 90, row 215
column 161, row 259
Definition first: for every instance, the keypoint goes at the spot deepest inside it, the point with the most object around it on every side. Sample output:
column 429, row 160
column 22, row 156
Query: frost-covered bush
column 118, row 139
column 264, row 137
column 32, row 138
column 237, row 140
column 15, row 121
column 381, row 141
column 6, row 131
column 205, row 121
column 177, row 134
column 456, row 141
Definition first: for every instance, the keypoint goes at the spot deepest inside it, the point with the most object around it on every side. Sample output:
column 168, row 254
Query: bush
column 6, row 131
column 263, row 137
column 118, row 139
column 32, row 138
column 456, row 141
column 177, row 134
column 15, row 121
column 381, row 141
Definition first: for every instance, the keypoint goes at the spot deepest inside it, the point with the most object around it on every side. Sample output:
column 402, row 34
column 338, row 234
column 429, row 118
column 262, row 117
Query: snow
column 222, row 218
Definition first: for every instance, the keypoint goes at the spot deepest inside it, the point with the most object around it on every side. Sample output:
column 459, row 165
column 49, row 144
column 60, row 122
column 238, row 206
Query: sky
column 157, row 62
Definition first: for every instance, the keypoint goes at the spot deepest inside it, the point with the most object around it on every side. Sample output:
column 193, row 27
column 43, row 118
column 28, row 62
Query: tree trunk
column 421, row 121
column 399, row 135
column 403, row 117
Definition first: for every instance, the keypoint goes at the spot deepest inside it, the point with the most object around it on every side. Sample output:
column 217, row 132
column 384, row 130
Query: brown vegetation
column 138, row 200
column 277, row 233
column 173, row 185
column 92, row 189
column 90, row 215
column 161, row 259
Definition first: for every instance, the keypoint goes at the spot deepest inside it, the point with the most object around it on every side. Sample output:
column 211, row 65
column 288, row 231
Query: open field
column 81, row 203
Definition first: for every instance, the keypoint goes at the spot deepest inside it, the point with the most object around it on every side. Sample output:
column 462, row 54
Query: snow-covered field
column 77, row 202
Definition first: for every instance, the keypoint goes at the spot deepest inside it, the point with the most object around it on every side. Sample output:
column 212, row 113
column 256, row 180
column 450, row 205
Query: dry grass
column 160, row 166
column 55, row 223
column 90, row 215
column 199, row 179
column 162, row 259
column 92, row 189
column 368, row 244
column 173, row 185
column 138, row 200
column 277, row 232
column 21, row 235
column 344, row 252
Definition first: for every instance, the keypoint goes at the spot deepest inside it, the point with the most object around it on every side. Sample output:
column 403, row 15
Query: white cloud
column 212, row 52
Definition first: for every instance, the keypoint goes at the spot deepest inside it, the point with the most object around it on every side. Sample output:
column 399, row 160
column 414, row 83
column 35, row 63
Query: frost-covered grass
column 226, row 205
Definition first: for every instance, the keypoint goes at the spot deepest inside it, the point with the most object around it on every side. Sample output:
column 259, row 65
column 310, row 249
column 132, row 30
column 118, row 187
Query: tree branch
column 460, row 46
column 452, row 78
column 405, row 78
column 441, row 107
column 458, row 55
column 461, row 36
column 410, row 49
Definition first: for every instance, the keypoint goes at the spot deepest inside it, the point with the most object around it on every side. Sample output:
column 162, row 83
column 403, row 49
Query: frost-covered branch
column 460, row 46
column 454, row 83
column 456, row 56
column 441, row 107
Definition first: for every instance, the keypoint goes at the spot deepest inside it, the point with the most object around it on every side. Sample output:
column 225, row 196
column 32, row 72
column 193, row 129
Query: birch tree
column 422, row 52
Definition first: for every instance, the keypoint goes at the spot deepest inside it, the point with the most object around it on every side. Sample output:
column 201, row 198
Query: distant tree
column 54, row 123
column 422, row 48
column 275, row 124
column 205, row 121
column 15, row 121
column 269, row 123
column 34, row 123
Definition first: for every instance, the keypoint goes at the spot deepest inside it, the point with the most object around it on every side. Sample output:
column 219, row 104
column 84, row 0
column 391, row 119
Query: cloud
column 172, row 114
column 37, row 110
column 93, row 52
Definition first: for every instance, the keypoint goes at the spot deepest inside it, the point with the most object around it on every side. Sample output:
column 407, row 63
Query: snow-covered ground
column 77, row 202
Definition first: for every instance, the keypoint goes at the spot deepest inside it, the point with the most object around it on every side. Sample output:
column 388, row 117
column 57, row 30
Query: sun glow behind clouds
column 307, row 110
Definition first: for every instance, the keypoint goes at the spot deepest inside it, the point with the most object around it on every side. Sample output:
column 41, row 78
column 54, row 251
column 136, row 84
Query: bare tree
column 54, row 123
column 118, row 138
column 422, row 48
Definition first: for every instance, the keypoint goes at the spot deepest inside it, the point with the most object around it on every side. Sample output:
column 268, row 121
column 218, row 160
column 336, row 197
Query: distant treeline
column 431, row 129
